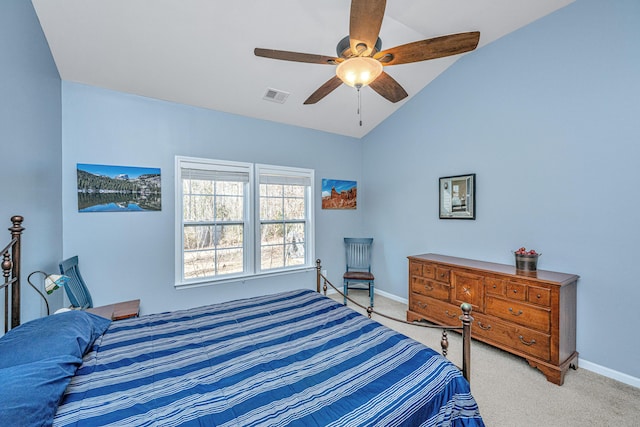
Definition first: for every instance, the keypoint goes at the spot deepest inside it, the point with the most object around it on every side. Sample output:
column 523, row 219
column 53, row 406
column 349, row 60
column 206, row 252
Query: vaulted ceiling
column 201, row 52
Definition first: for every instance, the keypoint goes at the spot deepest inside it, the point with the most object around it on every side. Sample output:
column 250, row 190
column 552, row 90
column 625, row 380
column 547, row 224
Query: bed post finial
column 466, row 339
column 318, row 273
column 17, row 223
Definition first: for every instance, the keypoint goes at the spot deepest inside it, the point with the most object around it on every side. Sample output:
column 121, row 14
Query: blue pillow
column 70, row 333
column 37, row 361
column 31, row 392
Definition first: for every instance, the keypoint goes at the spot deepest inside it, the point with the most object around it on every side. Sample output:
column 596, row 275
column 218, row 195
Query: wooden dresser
column 529, row 314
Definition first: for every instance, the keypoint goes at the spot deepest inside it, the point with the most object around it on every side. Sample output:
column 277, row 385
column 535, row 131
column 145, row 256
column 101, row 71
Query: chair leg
column 345, row 291
column 371, row 292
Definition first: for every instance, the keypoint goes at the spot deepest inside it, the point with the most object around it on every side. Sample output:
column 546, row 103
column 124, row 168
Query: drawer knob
column 515, row 291
column 421, row 304
column 515, row 314
column 533, row 341
column 495, row 286
column 538, row 296
column 486, row 328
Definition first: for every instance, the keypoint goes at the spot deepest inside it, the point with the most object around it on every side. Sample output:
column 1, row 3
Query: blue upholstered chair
column 75, row 287
column 358, row 255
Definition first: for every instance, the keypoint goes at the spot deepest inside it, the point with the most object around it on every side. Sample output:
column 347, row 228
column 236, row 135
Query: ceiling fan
column 359, row 58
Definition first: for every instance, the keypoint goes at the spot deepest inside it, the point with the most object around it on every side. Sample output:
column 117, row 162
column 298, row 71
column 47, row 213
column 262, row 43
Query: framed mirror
column 458, row 197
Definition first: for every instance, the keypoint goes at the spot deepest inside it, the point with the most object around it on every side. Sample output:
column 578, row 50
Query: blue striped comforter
column 295, row 358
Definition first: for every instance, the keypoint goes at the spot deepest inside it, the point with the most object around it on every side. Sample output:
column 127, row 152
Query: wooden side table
column 118, row 311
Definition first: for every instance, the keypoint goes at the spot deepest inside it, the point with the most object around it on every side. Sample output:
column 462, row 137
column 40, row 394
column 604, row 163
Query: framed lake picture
column 104, row 188
column 339, row 194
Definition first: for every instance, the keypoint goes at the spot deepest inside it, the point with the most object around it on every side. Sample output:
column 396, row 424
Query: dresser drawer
column 523, row 314
column 468, row 288
column 418, row 303
column 430, row 288
column 435, row 310
column 510, row 336
column 443, row 274
column 540, row 296
column 415, row 268
column 429, row 271
column 494, row 286
column 516, row 291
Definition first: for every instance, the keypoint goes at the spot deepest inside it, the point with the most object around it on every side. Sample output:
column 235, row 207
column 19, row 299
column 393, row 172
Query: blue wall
column 131, row 254
column 30, row 145
column 547, row 117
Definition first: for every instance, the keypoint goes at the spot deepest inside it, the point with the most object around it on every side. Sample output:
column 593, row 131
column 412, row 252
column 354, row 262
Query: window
column 223, row 207
column 283, row 217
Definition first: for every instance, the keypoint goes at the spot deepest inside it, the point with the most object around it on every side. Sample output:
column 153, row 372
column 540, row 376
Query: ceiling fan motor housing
column 343, row 49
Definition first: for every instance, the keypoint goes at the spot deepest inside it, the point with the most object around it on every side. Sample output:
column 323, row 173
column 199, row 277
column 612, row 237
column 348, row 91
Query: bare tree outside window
column 214, row 229
column 282, row 219
column 225, row 231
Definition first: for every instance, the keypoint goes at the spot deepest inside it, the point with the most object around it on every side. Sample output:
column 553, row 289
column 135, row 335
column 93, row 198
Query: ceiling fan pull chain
column 359, row 106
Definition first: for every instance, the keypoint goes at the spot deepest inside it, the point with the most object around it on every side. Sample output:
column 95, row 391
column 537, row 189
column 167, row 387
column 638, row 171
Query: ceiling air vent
column 275, row 95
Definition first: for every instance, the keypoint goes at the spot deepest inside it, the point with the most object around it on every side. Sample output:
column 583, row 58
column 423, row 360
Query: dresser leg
column 555, row 374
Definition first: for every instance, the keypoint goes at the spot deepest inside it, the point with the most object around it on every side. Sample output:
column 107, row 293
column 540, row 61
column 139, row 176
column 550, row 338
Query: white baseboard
column 391, row 296
column 609, row 373
column 330, row 290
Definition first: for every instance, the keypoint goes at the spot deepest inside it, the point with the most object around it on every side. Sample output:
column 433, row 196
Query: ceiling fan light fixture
column 359, row 71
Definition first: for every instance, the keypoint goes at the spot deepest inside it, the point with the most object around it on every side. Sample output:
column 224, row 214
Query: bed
column 292, row 358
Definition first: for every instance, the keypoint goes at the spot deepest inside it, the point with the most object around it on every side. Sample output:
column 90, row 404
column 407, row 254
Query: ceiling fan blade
column 364, row 24
column 438, row 47
column 390, row 89
column 324, row 90
column 296, row 56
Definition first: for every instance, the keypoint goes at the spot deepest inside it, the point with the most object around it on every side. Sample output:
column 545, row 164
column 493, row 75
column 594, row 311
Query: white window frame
column 296, row 175
column 251, row 241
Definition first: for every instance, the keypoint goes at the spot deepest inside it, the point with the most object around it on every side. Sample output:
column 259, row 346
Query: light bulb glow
column 359, row 71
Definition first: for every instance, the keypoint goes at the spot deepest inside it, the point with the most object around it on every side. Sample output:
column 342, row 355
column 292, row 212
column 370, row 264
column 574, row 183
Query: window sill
column 242, row 279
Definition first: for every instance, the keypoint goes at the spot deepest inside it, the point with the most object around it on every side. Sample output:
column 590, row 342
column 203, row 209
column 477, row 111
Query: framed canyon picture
column 339, row 194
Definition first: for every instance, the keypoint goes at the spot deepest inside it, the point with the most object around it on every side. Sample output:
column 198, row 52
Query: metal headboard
column 11, row 274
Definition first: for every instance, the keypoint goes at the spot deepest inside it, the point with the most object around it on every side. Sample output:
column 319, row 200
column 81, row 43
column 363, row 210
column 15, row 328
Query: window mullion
column 284, row 229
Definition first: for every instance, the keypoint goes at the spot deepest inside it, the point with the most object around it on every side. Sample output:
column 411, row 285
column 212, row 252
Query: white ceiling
column 200, row 52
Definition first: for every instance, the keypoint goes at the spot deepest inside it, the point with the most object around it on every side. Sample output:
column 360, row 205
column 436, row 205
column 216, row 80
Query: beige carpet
column 512, row 394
